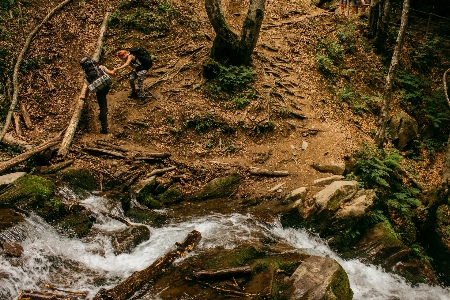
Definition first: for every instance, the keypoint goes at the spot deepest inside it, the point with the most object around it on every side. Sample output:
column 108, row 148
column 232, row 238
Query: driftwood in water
column 26, row 116
column 137, row 280
column 56, row 167
column 222, row 273
column 103, row 151
column 265, row 172
column 15, row 97
column 70, row 132
column 35, row 295
column 24, row 156
column 152, row 156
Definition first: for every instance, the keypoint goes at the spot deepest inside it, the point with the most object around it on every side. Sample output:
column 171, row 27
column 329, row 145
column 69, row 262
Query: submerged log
column 222, row 273
column 137, row 280
column 265, row 172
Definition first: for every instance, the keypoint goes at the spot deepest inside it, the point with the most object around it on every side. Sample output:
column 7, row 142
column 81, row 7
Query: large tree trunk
column 387, row 94
column 228, row 47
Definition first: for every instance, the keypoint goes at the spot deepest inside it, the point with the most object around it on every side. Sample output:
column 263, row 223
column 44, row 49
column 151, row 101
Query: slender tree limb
column 446, row 172
column 68, row 137
column 19, row 61
column 161, row 171
column 445, row 86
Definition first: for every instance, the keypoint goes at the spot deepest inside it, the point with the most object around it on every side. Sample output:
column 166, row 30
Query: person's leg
column 102, row 103
column 141, row 77
column 132, row 78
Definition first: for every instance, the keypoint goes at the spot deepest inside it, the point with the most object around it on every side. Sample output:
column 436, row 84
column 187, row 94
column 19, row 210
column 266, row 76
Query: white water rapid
column 78, row 265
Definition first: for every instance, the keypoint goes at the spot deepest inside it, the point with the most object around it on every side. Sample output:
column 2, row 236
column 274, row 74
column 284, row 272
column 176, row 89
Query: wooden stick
column 152, row 156
column 26, row 116
column 222, row 273
column 265, row 172
column 112, row 146
column 138, row 279
column 24, row 156
column 56, row 167
column 103, row 151
column 17, row 124
column 30, row 37
column 161, row 171
column 68, row 137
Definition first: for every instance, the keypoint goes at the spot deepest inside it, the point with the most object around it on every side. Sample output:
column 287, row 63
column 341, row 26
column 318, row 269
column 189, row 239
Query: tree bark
column 17, row 65
column 68, row 137
column 228, row 47
column 374, row 12
column 24, row 156
column 136, row 281
column 383, row 25
column 387, row 94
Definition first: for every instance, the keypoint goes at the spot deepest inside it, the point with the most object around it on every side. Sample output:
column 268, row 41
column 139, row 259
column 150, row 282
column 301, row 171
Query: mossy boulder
column 145, row 216
column 218, row 187
column 321, row 278
column 79, row 180
column 172, row 195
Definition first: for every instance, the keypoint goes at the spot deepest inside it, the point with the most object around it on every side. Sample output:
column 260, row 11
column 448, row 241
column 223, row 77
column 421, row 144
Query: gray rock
column 148, row 182
column 359, row 205
column 403, row 129
column 10, row 178
column 335, row 194
column 297, row 194
column 327, row 180
column 12, row 249
column 336, row 169
column 304, row 145
column 320, row 278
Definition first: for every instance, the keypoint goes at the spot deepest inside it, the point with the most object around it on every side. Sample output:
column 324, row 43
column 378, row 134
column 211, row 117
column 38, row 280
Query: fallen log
column 222, row 273
column 35, row 295
column 161, row 171
column 56, row 167
column 16, row 72
column 24, row 156
column 137, row 280
column 26, row 116
column 265, row 172
column 68, row 137
column 152, row 156
column 103, row 151
column 9, row 140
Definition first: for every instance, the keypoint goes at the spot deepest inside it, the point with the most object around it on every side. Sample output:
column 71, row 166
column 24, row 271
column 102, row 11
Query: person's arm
column 82, row 97
column 127, row 63
column 108, row 71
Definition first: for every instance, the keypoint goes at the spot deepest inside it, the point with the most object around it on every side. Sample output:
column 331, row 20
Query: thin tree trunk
column 137, row 280
column 387, row 94
column 251, row 28
column 68, row 137
column 30, row 37
column 383, row 25
column 446, row 172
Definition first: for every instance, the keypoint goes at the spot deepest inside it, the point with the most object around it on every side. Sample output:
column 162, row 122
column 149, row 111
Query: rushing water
column 78, row 265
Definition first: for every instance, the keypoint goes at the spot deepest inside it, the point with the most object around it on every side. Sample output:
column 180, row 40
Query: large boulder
column 403, row 129
column 361, row 203
column 333, row 168
column 218, row 187
column 320, row 278
column 334, row 195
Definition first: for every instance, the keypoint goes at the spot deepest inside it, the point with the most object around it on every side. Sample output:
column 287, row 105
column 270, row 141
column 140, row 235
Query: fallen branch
column 30, row 37
column 137, row 280
column 68, row 137
column 26, row 116
column 103, row 151
column 265, row 172
column 152, row 156
column 222, row 273
column 233, row 292
column 161, row 171
column 109, row 145
column 24, row 156
column 16, row 117
column 35, row 295
column 56, row 167
column 9, row 140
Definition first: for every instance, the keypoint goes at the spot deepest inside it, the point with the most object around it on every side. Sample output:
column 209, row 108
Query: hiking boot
column 133, row 94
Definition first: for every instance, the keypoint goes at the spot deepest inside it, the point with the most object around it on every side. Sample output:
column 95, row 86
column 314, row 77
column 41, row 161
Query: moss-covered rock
column 218, row 187
column 77, row 225
column 29, row 190
column 145, row 216
column 79, row 179
column 172, row 195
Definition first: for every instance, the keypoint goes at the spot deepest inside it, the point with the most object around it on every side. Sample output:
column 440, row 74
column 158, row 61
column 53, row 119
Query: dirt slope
column 287, row 78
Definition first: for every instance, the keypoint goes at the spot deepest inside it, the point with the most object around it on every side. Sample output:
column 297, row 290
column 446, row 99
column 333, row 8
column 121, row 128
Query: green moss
column 150, row 202
column 172, row 195
column 79, row 179
column 50, row 209
column 145, row 217
column 219, row 187
column 339, row 288
column 234, row 259
column 29, row 190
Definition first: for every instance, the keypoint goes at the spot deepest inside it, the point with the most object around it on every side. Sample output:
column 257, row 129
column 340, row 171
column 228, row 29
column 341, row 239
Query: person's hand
column 82, row 97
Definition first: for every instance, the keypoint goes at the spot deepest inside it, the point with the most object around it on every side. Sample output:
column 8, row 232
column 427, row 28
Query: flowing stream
column 78, row 265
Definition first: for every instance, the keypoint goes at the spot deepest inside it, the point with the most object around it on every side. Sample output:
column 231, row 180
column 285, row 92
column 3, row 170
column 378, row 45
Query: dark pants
column 103, row 116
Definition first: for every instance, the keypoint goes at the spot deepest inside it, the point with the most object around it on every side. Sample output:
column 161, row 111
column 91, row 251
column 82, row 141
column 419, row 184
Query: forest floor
column 287, row 80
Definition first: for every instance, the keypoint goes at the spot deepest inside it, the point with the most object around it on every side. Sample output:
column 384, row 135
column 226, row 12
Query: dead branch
column 56, row 167
column 297, row 115
column 445, row 86
column 265, row 172
column 17, row 124
column 26, row 116
column 9, row 140
column 152, row 156
column 227, row 291
column 24, row 156
column 112, row 146
column 35, row 295
column 101, row 151
column 30, row 37
column 137, row 280
column 68, row 137
column 161, row 171
column 222, row 273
